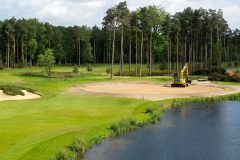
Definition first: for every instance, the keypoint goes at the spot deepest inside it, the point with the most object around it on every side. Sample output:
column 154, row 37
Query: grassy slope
column 36, row 129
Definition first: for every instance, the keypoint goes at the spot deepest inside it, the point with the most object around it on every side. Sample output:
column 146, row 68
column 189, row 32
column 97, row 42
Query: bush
column 123, row 126
column 155, row 113
column 218, row 70
column 108, row 70
column 61, row 155
column 78, row 146
column 163, row 66
column 227, row 78
column 236, row 63
column 75, row 69
column 53, row 74
column 203, row 71
column 12, row 90
column 144, row 74
column 89, row 68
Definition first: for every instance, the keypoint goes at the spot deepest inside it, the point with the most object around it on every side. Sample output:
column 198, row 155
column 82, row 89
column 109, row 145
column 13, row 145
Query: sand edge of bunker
column 153, row 91
column 27, row 96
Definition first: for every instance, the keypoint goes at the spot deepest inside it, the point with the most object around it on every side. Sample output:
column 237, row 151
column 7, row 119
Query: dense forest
column 148, row 35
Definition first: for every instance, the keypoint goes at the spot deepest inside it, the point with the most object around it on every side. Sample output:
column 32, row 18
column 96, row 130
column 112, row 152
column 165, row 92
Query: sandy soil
column 28, row 95
column 152, row 91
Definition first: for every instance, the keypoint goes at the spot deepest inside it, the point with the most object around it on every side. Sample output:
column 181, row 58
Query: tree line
column 148, row 35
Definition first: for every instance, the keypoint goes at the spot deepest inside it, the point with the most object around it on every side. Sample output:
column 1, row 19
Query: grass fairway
column 37, row 129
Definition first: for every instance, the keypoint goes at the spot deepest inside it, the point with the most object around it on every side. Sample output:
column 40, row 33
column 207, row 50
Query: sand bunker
column 28, row 95
column 152, row 91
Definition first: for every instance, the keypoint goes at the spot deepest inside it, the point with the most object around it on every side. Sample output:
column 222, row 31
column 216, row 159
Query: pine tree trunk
column 170, row 56
column 130, row 53
column 121, row 59
column 211, row 50
column 136, row 53
column 185, row 49
column 8, row 55
column 141, row 56
column 150, row 56
column 79, row 53
column 14, row 53
column 94, row 47
column 113, row 50
column 177, row 53
column 22, row 52
column 30, row 57
column 168, row 52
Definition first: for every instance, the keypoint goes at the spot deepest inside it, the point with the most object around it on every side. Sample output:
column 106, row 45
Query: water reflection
column 195, row 132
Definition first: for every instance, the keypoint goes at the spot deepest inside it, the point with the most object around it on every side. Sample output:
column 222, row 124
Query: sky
column 91, row 12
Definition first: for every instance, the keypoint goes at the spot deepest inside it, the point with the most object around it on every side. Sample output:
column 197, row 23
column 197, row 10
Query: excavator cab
column 181, row 79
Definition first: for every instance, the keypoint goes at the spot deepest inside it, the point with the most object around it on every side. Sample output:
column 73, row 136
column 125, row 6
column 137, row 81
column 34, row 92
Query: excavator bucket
column 179, row 85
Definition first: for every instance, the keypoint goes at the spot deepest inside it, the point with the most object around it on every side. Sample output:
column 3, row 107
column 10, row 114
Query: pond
column 201, row 131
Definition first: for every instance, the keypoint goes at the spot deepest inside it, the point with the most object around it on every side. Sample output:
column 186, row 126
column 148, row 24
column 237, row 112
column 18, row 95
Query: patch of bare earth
column 28, row 95
column 152, row 91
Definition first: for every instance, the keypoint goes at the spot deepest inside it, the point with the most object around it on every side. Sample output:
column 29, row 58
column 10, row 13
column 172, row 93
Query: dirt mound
column 152, row 91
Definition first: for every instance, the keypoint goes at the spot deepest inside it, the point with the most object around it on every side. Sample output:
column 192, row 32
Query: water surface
column 194, row 132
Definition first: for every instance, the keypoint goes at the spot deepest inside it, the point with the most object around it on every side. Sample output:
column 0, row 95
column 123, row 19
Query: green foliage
column 75, row 69
column 144, row 74
column 47, row 60
column 61, row 155
column 225, row 78
column 236, row 63
column 60, row 75
column 87, row 53
column 203, row 71
column 14, row 90
column 155, row 113
column 89, row 68
column 108, row 70
column 123, row 126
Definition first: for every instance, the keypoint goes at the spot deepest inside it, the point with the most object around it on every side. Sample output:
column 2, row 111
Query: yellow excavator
column 181, row 79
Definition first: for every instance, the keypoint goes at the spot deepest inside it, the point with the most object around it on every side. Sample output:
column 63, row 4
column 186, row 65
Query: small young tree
column 47, row 60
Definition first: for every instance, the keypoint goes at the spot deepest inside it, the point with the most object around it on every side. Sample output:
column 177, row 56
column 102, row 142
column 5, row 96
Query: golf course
column 39, row 128
column 119, row 80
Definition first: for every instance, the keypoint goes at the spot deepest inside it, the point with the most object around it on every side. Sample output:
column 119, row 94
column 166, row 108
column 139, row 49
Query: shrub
column 236, row 63
column 144, row 74
column 228, row 78
column 78, row 146
column 218, row 70
column 75, row 69
column 89, row 68
column 108, row 70
column 155, row 113
column 12, row 90
column 123, row 126
column 203, row 71
column 61, row 155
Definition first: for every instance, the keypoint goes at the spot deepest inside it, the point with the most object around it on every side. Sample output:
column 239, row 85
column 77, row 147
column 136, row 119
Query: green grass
column 37, row 129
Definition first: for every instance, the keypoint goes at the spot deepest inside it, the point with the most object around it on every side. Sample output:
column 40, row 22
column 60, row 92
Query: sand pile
column 152, row 91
